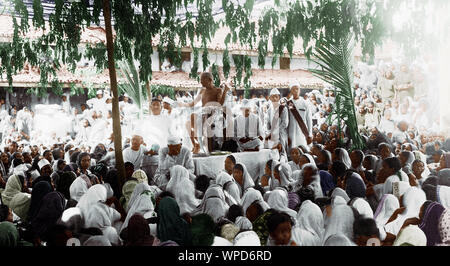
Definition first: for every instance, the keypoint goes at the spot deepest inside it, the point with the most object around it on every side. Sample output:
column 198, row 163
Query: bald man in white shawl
column 173, row 154
column 276, row 121
column 295, row 133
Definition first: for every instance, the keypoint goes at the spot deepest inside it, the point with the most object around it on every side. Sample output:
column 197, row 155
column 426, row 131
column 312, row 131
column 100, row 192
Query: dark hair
column 46, row 151
column 360, row 155
column 394, row 163
column 56, row 154
column 74, row 157
column 166, row 194
column 276, row 219
column 306, row 193
column 239, row 167
column 17, row 162
column 100, row 169
column 364, row 226
column 4, row 212
column 111, row 179
column 129, row 165
column 327, row 155
column 231, row 157
column 202, row 183
column 383, row 145
column 234, row 211
column 155, row 99
column 338, row 168
column 259, row 208
column 80, row 157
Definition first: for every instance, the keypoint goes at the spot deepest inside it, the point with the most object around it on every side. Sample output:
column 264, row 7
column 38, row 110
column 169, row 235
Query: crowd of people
column 316, row 188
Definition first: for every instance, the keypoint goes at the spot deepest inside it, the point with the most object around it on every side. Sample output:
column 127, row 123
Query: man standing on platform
column 209, row 94
column 300, row 119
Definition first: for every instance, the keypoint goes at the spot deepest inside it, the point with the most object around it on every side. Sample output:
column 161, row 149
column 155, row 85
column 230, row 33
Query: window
column 285, row 63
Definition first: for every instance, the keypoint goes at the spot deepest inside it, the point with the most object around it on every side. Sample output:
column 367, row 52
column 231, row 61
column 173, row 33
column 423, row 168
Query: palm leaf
column 335, row 67
column 133, row 87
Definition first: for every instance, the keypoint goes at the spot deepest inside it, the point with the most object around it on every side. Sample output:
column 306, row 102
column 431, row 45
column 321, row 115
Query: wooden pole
column 120, row 166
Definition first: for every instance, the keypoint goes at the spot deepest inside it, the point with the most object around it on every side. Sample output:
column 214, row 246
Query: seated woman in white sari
column 278, row 200
column 281, row 176
column 308, row 177
column 388, row 204
column 230, row 188
column 213, row 203
column 339, row 222
column 101, row 216
column 413, row 200
column 362, row 206
column 183, row 189
column 309, row 228
column 242, row 178
column 142, row 201
column 295, row 159
column 251, row 196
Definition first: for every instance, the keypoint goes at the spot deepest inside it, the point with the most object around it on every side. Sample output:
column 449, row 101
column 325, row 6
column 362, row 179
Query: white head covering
column 141, row 203
column 285, row 174
column 294, row 84
column 309, row 228
column 411, row 234
column 344, row 157
column 247, row 180
column 99, row 92
column 221, row 242
column 99, row 215
column 363, row 207
column 173, row 140
column 274, row 91
column 42, row 163
column 386, row 207
column 213, row 203
column 183, row 188
column 247, row 238
column 338, row 240
column 78, row 188
column 244, row 223
column 93, row 195
column 168, row 100
column 340, row 192
column 278, row 200
column 340, row 222
column 251, row 196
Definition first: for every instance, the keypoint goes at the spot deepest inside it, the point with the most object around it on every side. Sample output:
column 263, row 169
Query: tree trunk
column 149, row 96
column 115, row 97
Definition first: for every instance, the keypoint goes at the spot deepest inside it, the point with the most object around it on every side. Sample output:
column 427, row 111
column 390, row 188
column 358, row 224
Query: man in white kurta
column 296, row 136
column 173, row 154
column 276, row 122
column 136, row 152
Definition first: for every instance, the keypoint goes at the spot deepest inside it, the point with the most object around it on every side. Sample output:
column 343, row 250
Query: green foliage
column 335, row 61
column 163, row 90
column 278, row 27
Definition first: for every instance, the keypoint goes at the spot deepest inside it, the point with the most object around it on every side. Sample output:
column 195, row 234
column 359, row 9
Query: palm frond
column 335, row 67
column 133, row 87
